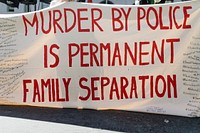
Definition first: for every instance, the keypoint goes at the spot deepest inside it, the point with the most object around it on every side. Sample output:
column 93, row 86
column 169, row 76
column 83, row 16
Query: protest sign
column 125, row 57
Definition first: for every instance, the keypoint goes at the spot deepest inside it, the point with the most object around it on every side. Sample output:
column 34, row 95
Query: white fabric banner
column 142, row 58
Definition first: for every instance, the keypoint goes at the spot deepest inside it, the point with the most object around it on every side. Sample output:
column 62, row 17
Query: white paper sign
column 134, row 58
